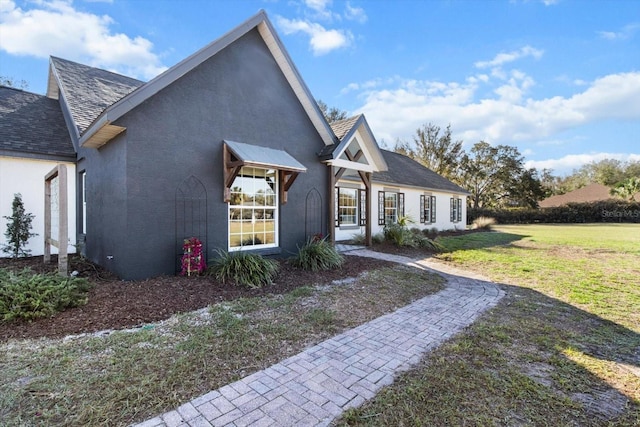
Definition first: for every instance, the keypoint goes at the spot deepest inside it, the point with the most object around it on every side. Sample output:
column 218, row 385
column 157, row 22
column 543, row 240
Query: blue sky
column 559, row 79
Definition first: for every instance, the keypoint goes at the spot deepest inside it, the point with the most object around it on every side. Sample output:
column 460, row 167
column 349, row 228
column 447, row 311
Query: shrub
column 483, row 223
column 317, row 255
column 358, row 239
column 377, row 238
column 243, row 268
column 28, row 295
column 398, row 234
column 18, row 230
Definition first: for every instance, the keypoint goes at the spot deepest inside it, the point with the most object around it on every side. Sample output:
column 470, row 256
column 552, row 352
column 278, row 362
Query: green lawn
column 562, row 348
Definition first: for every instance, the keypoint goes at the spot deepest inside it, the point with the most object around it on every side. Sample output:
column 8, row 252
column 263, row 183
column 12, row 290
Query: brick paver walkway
column 314, row 387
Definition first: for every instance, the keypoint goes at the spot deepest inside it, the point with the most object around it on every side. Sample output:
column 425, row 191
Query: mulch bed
column 117, row 304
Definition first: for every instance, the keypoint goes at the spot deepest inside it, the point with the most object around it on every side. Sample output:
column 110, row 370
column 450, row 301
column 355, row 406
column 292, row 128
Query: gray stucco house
column 228, row 146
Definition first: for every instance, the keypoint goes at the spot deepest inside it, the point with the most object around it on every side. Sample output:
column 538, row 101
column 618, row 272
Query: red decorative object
column 192, row 260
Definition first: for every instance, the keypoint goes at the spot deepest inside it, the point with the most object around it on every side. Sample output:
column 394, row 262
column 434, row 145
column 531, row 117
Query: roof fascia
column 286, row 64
column 37, row 156
column 261, row 21
column 54, row 81
column 407, row 186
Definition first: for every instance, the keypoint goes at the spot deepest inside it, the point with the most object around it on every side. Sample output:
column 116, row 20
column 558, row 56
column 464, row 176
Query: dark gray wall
column 106, row 194
column 239, row 95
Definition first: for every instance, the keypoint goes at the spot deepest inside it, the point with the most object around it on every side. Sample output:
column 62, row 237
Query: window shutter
column 336, row 206
column 380, row 207
column 363, row 207
column 400, row 204
column 433, row 209
column 423, row 212
column 452, row 210
column 459, row 210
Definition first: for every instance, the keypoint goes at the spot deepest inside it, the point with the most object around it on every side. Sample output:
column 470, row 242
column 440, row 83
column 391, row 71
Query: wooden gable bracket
column 231, row 169
column 364, row 176
column 286, row 180
column 351, row 158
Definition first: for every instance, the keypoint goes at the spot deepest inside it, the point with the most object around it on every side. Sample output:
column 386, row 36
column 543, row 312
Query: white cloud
column 322, row 40
column 568, row 163
column 626, row 32
column 396, row 110
column 320, row 9
column 353, row 13
column 504, row 58
column 55, row 27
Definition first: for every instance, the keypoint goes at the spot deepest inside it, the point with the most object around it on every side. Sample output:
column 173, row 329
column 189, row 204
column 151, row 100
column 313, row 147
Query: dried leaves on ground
column 117, row 304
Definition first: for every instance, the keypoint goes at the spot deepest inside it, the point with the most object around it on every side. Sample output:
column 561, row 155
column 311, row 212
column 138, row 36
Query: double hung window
column 427, row 209
column 456, row 210
column 253, row 209
column 390, row 207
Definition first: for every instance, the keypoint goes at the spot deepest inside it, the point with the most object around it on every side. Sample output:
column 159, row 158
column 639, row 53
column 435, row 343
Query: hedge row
column 604, row 211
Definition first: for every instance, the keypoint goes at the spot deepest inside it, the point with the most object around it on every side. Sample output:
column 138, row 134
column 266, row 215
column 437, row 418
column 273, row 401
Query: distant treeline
column 603, row 211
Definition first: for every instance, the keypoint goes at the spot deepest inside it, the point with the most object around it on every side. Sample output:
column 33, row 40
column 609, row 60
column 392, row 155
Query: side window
column 427, row 209
column 456, row 210
column 83, row 202
column 390, row 207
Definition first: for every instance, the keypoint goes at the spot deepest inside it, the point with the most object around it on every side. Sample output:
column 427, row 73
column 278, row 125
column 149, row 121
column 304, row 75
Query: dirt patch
column 117, row 304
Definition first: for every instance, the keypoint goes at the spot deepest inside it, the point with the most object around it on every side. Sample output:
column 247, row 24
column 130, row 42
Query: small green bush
column 317, row 254
column 377, row 238
column 398, row 234
column 358, row 239
column 243, row 268
column 28, row 295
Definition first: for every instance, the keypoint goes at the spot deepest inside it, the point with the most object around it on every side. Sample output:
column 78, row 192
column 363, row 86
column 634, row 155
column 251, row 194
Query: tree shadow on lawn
column 575, row 354
column 530, row 360
column 479, row 240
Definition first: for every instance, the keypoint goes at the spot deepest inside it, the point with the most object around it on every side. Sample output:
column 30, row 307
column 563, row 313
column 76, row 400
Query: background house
column 228, row 146
column 591, row 193
column 33, row 140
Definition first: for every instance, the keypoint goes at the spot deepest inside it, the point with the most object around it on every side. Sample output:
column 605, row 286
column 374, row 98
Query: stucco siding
column 240, row 94
column 26, row 176
column 411, row 209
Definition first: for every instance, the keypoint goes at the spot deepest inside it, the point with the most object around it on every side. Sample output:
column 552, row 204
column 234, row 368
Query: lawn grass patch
column 129, row 376
column 561, row 348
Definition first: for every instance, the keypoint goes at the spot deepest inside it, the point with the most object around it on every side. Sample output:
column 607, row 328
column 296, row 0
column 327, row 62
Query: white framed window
column 347, row 206
column 390, row 207
column 427, row 208
column 253, row 209
column 83, row 202
column 456, row 209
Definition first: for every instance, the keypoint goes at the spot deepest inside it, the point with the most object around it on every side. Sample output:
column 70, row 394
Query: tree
column 627, row 188
column 332, row 114
column 496, row 177
column 18, row 229
column 436, row 151
column 11, row 82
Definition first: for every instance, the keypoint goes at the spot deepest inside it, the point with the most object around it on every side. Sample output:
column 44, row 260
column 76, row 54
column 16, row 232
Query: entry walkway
column 316, row 386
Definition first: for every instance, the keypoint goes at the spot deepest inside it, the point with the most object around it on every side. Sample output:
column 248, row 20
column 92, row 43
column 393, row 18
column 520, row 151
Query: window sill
column 261, row 251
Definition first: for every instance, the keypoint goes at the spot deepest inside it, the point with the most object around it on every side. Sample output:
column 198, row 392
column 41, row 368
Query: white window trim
column 276, row 209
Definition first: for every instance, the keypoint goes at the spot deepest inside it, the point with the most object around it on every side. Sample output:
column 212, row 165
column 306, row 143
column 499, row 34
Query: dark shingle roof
column 406, row 171
column 32, row 124
column 90, row 90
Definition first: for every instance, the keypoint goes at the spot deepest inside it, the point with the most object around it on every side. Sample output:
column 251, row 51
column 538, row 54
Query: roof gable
column 32, row 125
column 87, row 91
column 100, row 128
column 354, row 131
